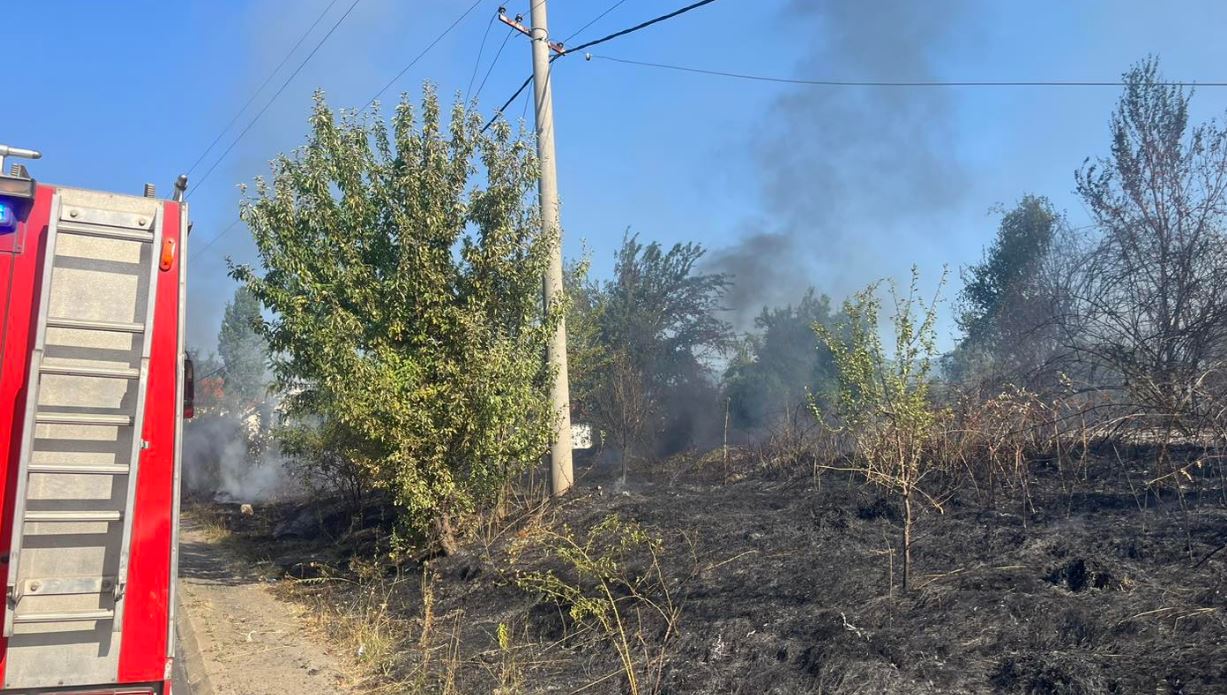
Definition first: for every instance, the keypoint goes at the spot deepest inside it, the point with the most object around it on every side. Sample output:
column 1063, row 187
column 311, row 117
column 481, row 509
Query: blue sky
column 849, row 184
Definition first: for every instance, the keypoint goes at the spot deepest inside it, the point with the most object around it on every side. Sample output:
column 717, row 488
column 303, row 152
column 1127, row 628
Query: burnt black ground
column 784, row 586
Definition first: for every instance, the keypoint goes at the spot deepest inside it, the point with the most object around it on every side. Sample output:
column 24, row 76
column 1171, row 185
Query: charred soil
column 785, row 582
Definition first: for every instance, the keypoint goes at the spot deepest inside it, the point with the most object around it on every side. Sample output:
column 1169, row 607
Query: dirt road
column 237, row 638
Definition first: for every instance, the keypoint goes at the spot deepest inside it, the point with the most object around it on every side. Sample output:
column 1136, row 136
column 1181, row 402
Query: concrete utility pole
column 561, row 474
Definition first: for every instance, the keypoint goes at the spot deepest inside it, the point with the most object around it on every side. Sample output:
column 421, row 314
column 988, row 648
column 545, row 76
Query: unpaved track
column 237, row 637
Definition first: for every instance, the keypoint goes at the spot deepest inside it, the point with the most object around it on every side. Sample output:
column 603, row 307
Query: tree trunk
column 625, row 457
column 445, row 535
column 907, row 540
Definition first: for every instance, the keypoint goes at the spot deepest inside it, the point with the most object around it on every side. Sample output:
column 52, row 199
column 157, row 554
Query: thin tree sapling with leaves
column 883, row 400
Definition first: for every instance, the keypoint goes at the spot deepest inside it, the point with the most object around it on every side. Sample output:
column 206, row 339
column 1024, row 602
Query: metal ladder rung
column 71, row 222
column 98, row 230
column 67, row 586
column 84, row 469
column 65, row 616
column 83, row 324
column 35, row 517
column 104, row 372
column 82, row 419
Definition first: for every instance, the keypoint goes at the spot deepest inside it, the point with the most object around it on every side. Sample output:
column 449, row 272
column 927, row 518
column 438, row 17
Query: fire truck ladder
column 85, row 406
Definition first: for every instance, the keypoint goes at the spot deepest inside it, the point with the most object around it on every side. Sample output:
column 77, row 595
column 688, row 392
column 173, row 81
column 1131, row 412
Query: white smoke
column 221, row 463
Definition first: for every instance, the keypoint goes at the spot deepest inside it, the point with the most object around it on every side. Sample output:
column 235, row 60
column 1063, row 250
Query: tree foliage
column 403, row 267
column 243, row 352
column 883, row 399
column 653, row 326
column 777, row 367
column 587, row 355
column 662, row 312
column 992, row 285
column 1011, row 299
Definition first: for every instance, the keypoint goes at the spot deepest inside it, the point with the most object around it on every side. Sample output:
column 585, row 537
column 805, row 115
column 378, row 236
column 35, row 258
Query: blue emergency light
column 16, row 188
column 8, row 217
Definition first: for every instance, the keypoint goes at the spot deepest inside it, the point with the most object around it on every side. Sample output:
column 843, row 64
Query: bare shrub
column 1150, row 310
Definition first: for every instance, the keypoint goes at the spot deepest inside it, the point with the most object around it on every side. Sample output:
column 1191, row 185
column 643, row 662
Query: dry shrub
column 799, row 438
column 360, row 613
column 364, row 612
column 611, row 582
column 998, row 437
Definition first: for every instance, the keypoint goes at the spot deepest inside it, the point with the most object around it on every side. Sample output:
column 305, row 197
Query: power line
column 196, row 252
column 477, row 63
column 603, row 39
column 897, row 83
column 426, row 50
column 524, row 111
column 642, row 25
column 595, row 19
column 275, row 96
column 263, row 84
column 507, row 103
column 494, row 62
column 212, row 373
column 432, row 44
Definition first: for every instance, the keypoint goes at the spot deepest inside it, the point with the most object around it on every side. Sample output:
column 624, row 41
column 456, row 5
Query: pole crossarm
column 517, row 23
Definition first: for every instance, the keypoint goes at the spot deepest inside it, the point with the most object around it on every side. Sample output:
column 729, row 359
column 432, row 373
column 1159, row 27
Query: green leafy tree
column 777, row 367
column 243, row 352
column 656, row 323
column 402, row 266
column 883, row 399
column 662, row 311
column 588, row 358
column 1008, row 305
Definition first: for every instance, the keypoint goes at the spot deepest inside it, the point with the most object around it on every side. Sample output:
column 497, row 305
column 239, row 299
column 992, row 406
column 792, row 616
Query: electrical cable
column 637, row 27
column 493, row 62
column 263, row 84
column 524, row 111
column 603, row 39
column 594, row 21
column 196, row 252
column 499, row 111
column 897, row 83
column 477, row 63
column 426, row 50
column 210, row 374
column 281, row 89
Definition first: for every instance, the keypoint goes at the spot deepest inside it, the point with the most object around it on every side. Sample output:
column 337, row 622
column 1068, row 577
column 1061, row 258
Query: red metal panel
column 142, row 655
column 19, row 278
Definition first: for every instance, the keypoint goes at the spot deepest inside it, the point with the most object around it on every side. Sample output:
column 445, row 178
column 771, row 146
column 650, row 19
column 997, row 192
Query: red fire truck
column 92, row 399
